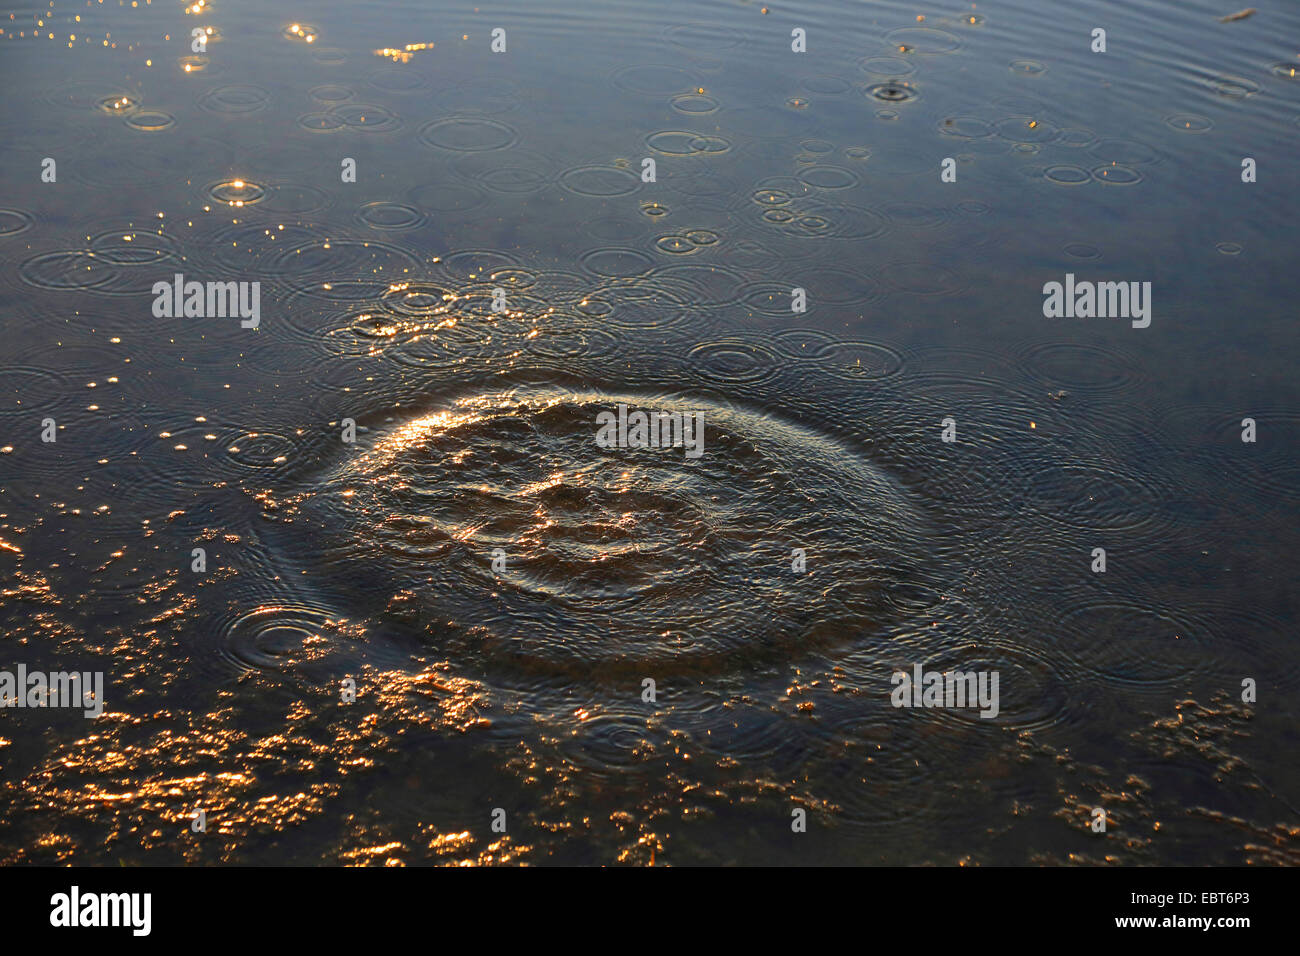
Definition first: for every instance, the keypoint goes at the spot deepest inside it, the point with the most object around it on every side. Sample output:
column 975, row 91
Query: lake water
column 916, row 469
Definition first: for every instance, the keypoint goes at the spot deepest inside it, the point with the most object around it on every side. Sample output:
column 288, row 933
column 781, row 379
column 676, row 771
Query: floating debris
column 1239, row 15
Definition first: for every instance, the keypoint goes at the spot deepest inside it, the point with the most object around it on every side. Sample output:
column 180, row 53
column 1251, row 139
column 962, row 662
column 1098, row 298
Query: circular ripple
column 197, row 64
column 859, row 361
column 616, row 262
column 1125, row 152
column 1116, row 175
column 1035, row 691
column 828, row 177
column 1134, row 645
column 331, row 93
column 277, row 637
column 887, row 66
column 300, row 32
column 892, row 92
column 701, row 286
column 1234, row 87
column 694, row 103
column 836, row 221
column 468, row 134
column 700, row 547
column 67, row 270
column 672, row 142
column 600, row 181
column 473, row 264
column 117, row 104
column 1025, row 129
column 770, row 298
column 258, row 248
column 235, row 192
column 803, row 344
column 378, row 261
column 1067, row 175
column 1212, row 434
column 372, row 119
column 321, row 122
column 14, row 221
column 261, row 450
column 1028, row 67
column 965, row 127
column 512, row 171
column 571, row 343
column 134, row 247
column 734, row 361
column 28, row 389
column 636, row 309
column 1081, row 368
column 150, row 121
column 330, row 56
column 675, row 245
column 880, row 774
column 1189, row 123
column 390, row 216
column 417, row 299
column 1095, row 497
column 914, row 215
column 923, row 40
column 239, row 98
column 655, row 80
column 1075, row 138
column 1081, row 250
column 472, row 336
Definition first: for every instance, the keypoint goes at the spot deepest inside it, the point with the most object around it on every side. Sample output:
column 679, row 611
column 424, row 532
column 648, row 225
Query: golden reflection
column 403, row 54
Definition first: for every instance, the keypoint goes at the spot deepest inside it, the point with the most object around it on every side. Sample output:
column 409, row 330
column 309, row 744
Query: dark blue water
column 498, row 587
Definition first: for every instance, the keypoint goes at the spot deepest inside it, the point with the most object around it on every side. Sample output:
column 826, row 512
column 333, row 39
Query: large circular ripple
column 631, row 561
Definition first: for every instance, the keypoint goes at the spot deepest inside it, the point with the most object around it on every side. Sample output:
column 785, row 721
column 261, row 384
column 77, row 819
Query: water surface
column 522, row 688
